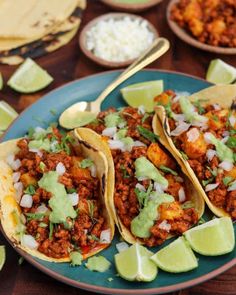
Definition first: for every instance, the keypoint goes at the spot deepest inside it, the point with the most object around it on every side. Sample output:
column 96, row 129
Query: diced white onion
column 42, row 209
column 207, row 137
column 179, row 94
column 193, row 134
column 211, row 186
column 93, row 170
column 85, row 231
column 116, row 144
column 232, row 120
column 53, row 145
column 14, row 164
column 140, row 187
column 165, row 225
column 138, row 143
column 227, row 166
column 60, row 168
column 225, row 133
column 15, row 176
column 232, row 187
column 224, row 140
column 179, row 117
column 37, row 151
column 122, row 125
column 122, row 246
column 181, row 194
column 181, row 128
column 105, row 236
column 141, row 178
column 19, row 190
column 74, row 198
column 201, row 123
column 110, row 131
column 141, row 110
column 26, row 201
column 29, row 242
column 216, row 106
column 158, row 187
column 210, row 154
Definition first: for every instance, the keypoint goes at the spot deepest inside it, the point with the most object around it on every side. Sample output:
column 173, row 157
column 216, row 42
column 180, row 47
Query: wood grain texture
column 65, row 65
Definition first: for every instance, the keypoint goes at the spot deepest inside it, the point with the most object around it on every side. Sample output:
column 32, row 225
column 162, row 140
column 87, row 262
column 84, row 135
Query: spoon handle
column 158, row 48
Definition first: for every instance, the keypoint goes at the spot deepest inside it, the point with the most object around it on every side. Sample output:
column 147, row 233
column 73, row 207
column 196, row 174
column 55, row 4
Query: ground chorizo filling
column 207, row 140
column 45, row 152
column 130, row 137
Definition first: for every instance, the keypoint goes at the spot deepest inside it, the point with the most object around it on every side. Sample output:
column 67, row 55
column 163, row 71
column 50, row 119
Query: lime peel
column 219, row 72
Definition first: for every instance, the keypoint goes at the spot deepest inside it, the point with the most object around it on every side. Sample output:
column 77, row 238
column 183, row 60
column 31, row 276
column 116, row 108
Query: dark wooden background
column 68, row 64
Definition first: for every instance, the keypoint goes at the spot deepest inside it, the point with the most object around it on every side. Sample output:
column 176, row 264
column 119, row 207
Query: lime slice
column 1, row 82
column 7, row 115
column 142, row 94
column 212, row 238
column 176, row 257
column 220, row 72
column 29, row 77
column 2, row 256
column 134, row 264
column 72, row 117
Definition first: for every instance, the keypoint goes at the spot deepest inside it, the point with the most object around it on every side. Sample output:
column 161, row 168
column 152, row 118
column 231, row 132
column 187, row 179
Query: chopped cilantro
column 145, row 116
column 30, row 190
column 91, row 208
column 167, row 107
column 215, row 118
column 147, row 134
column 200, row 109
column 51, row 227
column 231, row 142
column 213, row 171
column 201, row 221
column 93, row 237
column 30, row 132
column 31, row 216
column 227, row 180
column 142, row 196
column 124, row 171
column 228, row 122
column 168, row 170
column 114, row 119
column 42, row 224
column 42, row 166
column 85, row 163
column 234, row 156
column 207, row 181
column 76, row 258
column 71, row 190
column 184, row 156
column 232, row 132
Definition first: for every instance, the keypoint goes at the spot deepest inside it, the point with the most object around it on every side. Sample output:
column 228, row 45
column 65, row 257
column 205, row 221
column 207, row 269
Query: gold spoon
column 76, row 115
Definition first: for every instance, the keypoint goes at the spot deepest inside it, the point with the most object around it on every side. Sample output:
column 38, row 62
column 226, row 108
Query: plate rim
column 101, row 289
column 187, row 38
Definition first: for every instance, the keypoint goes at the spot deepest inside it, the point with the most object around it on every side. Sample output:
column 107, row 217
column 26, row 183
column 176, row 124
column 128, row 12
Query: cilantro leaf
column 37, row 216
column 51, row 227
column 184, row 156
column 227, row 180
column 168, row 170
column 147, row 134
column 124, row 171
column 30, row 190
column 231, row 142
column 207, row 181
column 200, row 109
column 142, row 196
column 85, row 163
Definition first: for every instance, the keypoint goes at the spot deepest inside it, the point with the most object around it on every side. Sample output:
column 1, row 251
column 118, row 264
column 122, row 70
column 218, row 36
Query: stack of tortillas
column 31, row 28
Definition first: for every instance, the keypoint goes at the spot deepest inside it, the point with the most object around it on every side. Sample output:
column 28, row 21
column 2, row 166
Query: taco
column 152, row 198
column 200, row 132
column 53, row 195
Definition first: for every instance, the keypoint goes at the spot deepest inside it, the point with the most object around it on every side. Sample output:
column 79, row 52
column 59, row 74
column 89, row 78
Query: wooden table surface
column 68, row 64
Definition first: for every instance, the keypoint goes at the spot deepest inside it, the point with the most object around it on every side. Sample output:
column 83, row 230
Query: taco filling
column 58, row 192
column 205, row 134
column 152, row 200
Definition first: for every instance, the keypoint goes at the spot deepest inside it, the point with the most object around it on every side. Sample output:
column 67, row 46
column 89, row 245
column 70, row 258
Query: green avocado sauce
column 141, row 224
column 59, row 203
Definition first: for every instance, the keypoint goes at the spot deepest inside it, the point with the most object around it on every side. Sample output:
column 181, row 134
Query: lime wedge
column 7, row 115
column 176, row 257
column 1, row 82
column 142, row 94
column 220, row 72
column 29, row 77
column 134, row 264
column 2, row 256
column 215, row 237
column 72, row 117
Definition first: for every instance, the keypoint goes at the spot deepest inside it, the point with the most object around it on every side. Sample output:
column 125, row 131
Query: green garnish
column 85, row 163
column 184, row 156
column 142, row 196
column 145, row 116
column 231, row 142
column 197, row 104
column 53, row 112
column 42, row 166
column 76, row 258
column 232, row 132
column 147, row 134
column 30, row 132
column 98, row 263
column 93, row 237
column 207, row 181
column 91, row 208
column 31, row 216
column 51, row 227
column 113, row 120
column 71, row 190
column 215, row 118
column 213, row 171
column 201, row 221
column 30, row 190
column 227, row 180
column 42, row 224
column 168, row 170
column 124, row 171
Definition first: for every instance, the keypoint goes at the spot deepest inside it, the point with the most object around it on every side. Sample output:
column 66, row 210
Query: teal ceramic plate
column 89, row 88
